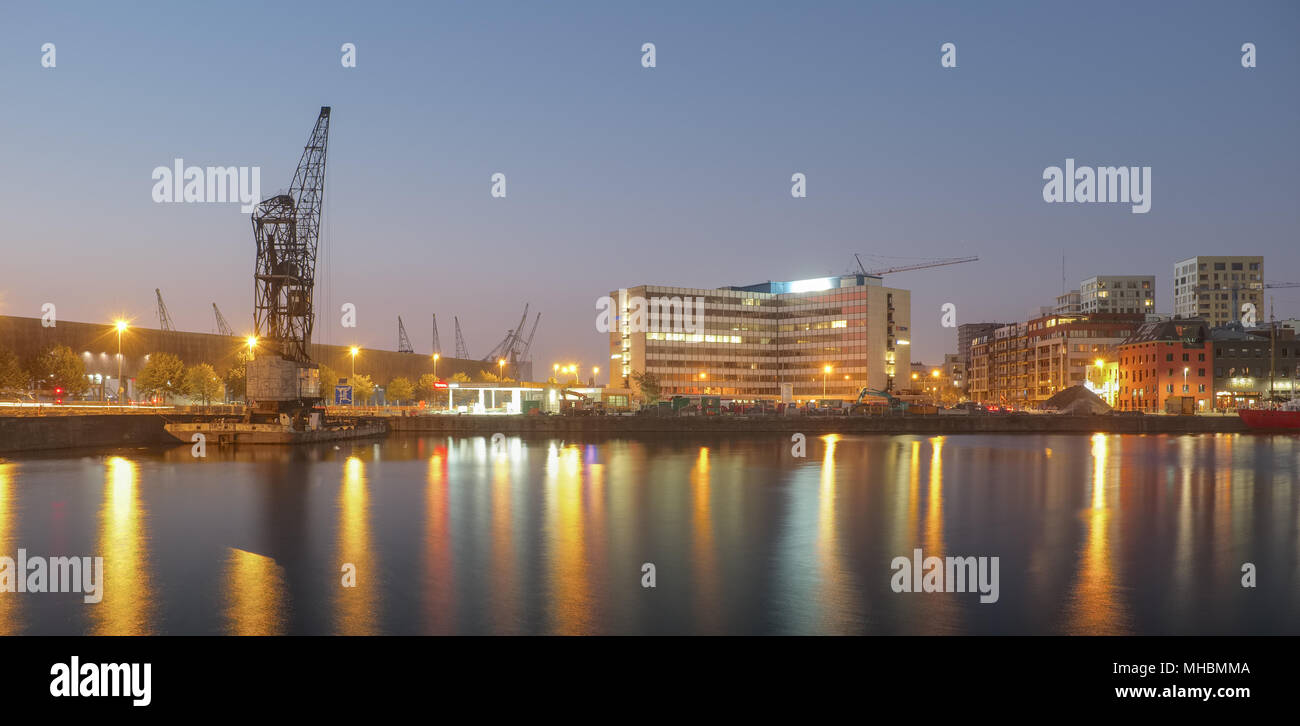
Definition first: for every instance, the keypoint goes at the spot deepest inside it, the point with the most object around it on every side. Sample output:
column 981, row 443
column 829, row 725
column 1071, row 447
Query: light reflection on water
column 1101, row 534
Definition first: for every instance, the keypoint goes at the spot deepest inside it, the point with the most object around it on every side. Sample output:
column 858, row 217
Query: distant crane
column 222, row 326
column 403, row 342
column 506, row 347
column 1237, row 288
column 164, row 319
column 936, row 262
column 461, row 351
column 437, row 344
column 527, row 349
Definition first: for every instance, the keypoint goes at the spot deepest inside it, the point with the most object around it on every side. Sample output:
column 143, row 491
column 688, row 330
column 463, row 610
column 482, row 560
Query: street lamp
column 825, row 372
column 501, row 367
column 435, row 365
column 1185, row 369
column 252, row 343
column 121, row 327
column 353, row 352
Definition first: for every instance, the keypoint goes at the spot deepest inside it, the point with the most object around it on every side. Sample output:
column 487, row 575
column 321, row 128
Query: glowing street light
column 435, row 365
column 121, row 328
column 353, row 351
column 825, row 372
column 252, row 343
column 501, row 367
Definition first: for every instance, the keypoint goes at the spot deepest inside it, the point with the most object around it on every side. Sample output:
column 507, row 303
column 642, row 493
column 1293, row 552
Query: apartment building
column 1214, row 289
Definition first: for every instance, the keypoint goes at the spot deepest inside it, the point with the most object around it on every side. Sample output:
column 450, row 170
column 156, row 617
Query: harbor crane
column 164, row 318
column 462, row 352
column 403, row 342
column 437, row 344
column 223, row 327
column 282, row 379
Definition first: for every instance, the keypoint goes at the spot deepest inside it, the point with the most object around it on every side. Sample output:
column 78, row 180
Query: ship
column 224, row 432
column 1284, row 418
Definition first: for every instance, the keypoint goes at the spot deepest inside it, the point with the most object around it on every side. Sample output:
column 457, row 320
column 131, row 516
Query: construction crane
column 936, row 262
column 223, row 327
column 1206, row 288
column 403, row 342
column 281, row 377
column 437, row 344
column 462, row 352
column 164, row 319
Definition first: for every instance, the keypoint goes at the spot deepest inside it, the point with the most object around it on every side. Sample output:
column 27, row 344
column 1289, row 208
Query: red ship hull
column 1265, row 420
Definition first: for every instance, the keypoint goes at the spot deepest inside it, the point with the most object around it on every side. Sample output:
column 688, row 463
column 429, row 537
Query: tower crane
column 437, row 344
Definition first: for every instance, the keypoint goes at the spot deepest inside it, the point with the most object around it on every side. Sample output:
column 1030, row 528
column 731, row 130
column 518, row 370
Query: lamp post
column 354, row 350
column 121, row 326
column 435, row 365
column 825, row 372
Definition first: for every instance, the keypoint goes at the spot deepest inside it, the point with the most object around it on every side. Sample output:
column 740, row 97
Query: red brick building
column 1166, row 359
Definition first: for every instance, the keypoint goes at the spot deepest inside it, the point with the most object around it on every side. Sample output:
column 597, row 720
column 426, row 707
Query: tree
column 459, row 377
column 648, row 383
column 201, row 382
column 12, row 374
column 163, row 375
column 400, row 389
column 236, row 379
column 490, row 377
column 59, row 367
column 362, row 388
column 427, row 387
column 329, row 378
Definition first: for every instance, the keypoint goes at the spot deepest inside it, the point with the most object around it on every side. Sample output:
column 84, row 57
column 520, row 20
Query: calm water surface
column 1100, row 534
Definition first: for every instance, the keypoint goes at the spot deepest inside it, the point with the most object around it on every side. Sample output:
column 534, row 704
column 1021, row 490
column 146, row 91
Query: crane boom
column 462, row 351
column 403, row 341
column 164, row 318
column 222, row 326
column 938, row 262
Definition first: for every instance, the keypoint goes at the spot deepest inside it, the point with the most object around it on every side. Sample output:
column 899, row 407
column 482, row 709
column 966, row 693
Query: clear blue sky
column 619, row 175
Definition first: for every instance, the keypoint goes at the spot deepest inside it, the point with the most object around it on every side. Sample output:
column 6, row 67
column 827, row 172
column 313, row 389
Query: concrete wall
column 97, row 343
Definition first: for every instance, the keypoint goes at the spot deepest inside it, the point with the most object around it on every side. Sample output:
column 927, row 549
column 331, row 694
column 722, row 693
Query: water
column 1101, row 534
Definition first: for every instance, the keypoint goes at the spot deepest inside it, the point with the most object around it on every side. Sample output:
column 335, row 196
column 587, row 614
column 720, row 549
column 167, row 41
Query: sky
column 619, row 175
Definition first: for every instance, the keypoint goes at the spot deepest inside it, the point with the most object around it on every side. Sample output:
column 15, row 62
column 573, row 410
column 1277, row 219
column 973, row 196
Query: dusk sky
column 619, row 175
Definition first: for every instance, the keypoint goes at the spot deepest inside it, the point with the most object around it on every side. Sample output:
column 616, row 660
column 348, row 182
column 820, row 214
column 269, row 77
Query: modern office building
column 1213, row 289
column 1250, row 367
column 1118, row 294
column 804, row 339
column 1024, row 364
column 1166, row 359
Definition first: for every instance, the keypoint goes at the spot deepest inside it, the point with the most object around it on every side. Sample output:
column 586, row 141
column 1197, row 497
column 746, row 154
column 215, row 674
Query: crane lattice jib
column 287, row 230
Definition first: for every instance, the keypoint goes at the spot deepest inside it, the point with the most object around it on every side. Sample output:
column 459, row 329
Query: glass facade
column 826, row 338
